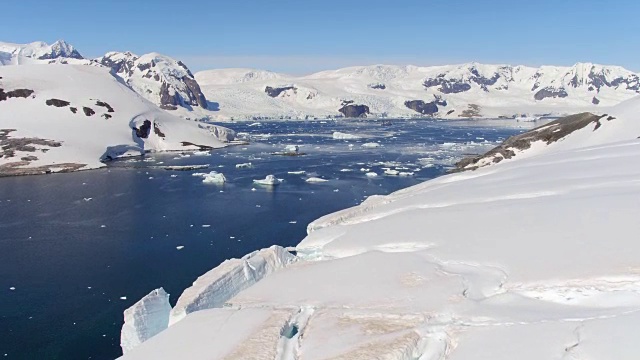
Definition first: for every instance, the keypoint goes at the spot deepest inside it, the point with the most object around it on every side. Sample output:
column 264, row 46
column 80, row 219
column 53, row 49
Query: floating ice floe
column 344, row 136
column 180, row 247
column 301, row 172
column 214, row 177
column 371, row 174
column 346, row 170
column 269, row 180
column 244, row 166
column 370, row 145
column 201, row 153
column 391, row 172
column 316, row 180
column 406, row 173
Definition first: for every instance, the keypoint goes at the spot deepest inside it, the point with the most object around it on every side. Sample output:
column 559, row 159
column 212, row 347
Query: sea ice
column 391, row 172
column 244, row 166
column 371, row 174
column 269, row 180
column 344, row 136
column 214, row 177
column 370, row 145
column 316, row 180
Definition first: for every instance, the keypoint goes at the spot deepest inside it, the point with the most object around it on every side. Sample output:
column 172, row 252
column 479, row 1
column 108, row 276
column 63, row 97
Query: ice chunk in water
column 315, row 180
column 214, row 177
column 269, row 180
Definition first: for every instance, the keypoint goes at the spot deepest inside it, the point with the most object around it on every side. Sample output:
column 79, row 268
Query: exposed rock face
column 105, row 105
column 144, row 130
column 421, row 107
column 275, row 92
column 61, row 49
column 88, row 111
column 547, row 133
column 595, row 101
column 354, row 111
column 447, row 86
column 18, row 93
column 58, row 103
column 472, row 111
column 550, row 92
column 161, row 79
column 9, row 146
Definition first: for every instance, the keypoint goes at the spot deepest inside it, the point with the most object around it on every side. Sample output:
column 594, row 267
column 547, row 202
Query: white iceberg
column 214, row 177
column 370, row 145
column 301, row 172
column 406, row 173
column 392, row 172
column 316, row 180
column 145, row 319
column 269, row 180
column 244, row 166
column 371, row 174
column 337, row 135
column 292, row 149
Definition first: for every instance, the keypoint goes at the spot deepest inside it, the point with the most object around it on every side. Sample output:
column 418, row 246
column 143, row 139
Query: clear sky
column 301, row 36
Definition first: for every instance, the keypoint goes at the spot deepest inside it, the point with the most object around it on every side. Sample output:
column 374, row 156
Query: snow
column 268, row 180
column 145, row 319
column 86, row 140
column 536, row 255
column 241, row 92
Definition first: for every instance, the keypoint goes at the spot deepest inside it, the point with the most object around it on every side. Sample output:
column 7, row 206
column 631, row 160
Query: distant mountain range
column 451, row 91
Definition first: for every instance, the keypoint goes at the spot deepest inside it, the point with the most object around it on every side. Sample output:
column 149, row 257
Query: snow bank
column 217, row 286
column 145, row 319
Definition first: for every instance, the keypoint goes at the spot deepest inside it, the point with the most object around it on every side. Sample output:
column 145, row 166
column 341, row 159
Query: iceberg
column 244, row 166
column 337, row 135
column 269, row 180
column 370, row 145
column 145, row 319
column 316, row 180
column 214, row 177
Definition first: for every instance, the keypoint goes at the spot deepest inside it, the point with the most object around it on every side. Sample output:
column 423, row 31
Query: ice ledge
column 145, row 319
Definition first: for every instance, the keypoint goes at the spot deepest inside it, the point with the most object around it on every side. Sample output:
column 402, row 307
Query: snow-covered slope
column 467, row 90
column 536, row 255
column 161, row 79
column 69, row 117
column 37, row 52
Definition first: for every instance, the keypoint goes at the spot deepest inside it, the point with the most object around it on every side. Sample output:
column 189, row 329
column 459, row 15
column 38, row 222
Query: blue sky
column 300, row 36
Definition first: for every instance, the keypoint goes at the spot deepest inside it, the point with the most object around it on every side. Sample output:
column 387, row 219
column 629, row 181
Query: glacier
column 534, row 255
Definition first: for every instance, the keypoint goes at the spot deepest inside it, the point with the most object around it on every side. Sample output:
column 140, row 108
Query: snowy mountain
column 37, row 52
column 161, row 79
column 71, row 117
column 535, row 255
column 452, row 91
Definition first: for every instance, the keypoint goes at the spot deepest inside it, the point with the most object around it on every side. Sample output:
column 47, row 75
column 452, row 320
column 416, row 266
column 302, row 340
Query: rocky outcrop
column 88, row 111
column 548, row 133
column 161, row 79
column 472, row 111
column 144, row 130
column 58, row 103
column 595, row 101
column 550, row 92
column 105, row 105
column 377, row 86
column 422, row 107
column 447, row 86
column 18, row 93
column 354, row 111
column 276, row 91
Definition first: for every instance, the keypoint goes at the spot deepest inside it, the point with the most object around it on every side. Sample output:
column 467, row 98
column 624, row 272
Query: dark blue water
column 71, row 260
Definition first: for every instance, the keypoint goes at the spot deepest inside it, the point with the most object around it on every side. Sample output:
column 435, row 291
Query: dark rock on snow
column 354, row 111
column 275, row 92
column 57, row 103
